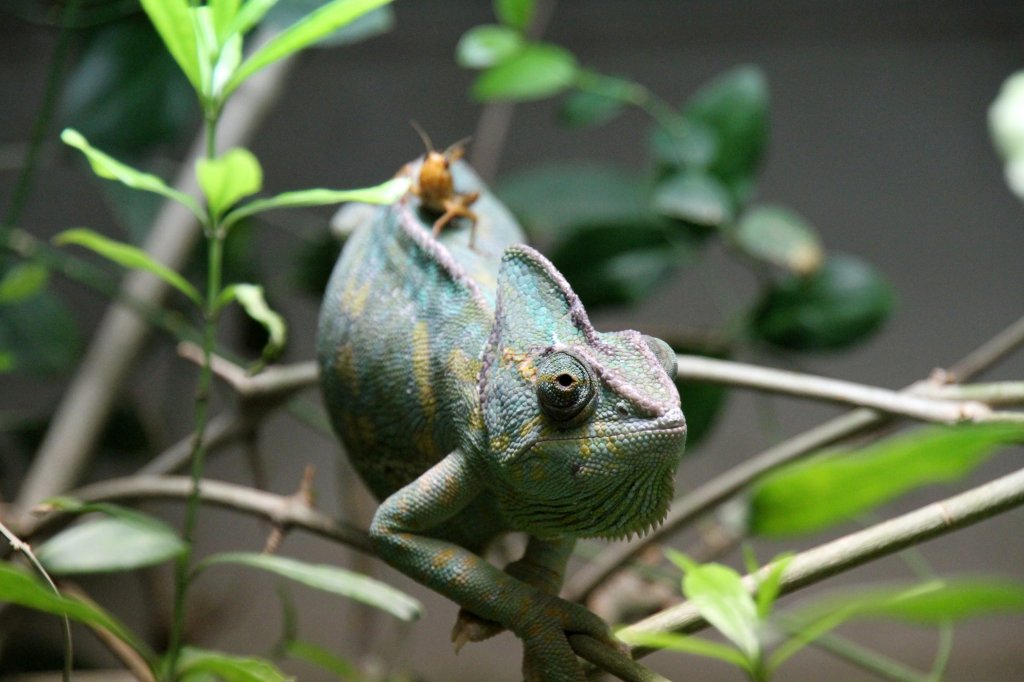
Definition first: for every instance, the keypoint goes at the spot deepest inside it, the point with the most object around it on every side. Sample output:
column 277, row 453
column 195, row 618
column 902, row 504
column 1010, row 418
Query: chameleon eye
column 565, row 387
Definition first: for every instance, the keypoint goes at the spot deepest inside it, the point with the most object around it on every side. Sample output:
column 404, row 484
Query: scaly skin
column 474, row 397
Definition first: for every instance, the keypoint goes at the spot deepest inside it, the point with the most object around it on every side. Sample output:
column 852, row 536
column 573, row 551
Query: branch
column 883, row 539
column 283, row 511
column 86, row 404
column 732, row 481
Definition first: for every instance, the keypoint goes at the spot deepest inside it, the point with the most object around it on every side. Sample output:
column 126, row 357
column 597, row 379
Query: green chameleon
column 475, row 398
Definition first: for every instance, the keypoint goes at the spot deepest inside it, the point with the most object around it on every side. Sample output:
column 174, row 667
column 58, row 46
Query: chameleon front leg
column 542, row 566
column 540, row 619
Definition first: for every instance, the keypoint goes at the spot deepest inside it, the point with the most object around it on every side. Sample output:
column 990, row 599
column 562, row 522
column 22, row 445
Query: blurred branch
column 732, row 481
column 86, row 404
column 850, row 551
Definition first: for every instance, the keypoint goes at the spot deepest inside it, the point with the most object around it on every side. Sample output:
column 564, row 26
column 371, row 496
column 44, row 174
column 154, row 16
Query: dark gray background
column 879, row 138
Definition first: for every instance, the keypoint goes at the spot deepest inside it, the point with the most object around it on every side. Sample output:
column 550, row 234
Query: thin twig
column 83, row 410
column 734, row 480
column 127, row 655
column 283, row 510
column 855, row 549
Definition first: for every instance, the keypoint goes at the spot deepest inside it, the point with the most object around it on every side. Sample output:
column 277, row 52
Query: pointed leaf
column 515, row 13
column 127, row 256
column 198, row 664
column 322, row 658
column 232, row 176
column 598, row 100
column 284, row 14
column 384, row 193
column 110, row 544
column 108, row 167
column 250, row 14
column 18, row 587
column 685, row 644
column 779, row 236
column 484, row 46
column 770, row 586
column 537, row 71
column 329, row 579
column 252, row 300
column 694, row 197
column 223, row 13
column 22, row 281
column 303, row 33
column 173, row 22
column 827, row 490
column 841, row 304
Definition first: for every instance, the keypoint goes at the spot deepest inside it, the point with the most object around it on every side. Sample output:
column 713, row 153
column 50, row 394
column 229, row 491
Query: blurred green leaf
column 384, row 193
column 223, row 13
column 779, row 236
column 598, row 100
column 839, row 305
column 735, row 106
column 22, row 281
column 322, row 658
column 124, row 94
column 702, row 402
column 251, row 13
column 287, row 12
column 18, row 587
column 694, row 197
column 770, row 586
column 693, row 147
column 197, row 664
column 108, row 167
column 232, row 176
column 615, row 263
column 551, row 198
column 173, row 21
column 516, row 13
column 484, row 46
column 329, row 579
column 127, row 256
column 252, row 300
column 837, row 487
column 308, row 30
column 110, row 544
column 313, row 264
column 717, row 592
column 536, row 71
column 687, row 645
column 39, row 336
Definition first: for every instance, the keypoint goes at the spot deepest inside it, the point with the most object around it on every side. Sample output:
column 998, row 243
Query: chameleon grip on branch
column 474, row 397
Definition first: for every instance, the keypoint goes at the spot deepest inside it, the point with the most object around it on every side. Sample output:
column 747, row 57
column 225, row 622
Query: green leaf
column 329, row 579
column 735, row 106
column 197, row 664
column 173, row 21
column 841, row 304
column 598, row 100
column 717, row 592
column 694, row 197
column 552, row 198
column 305, row 32
column 39, row 335
column 820, row 492
column 515, row 13
column 127, row 256
column 223, row 13
column 252, row 300
column 22, row 281
column 770, row 586
column 124, row 93
column 537, row 71
column 685, row 644
column 105, row 545
column 384, row 193
column 18, row 587
column 313, row 264
column 779, row 236
column 380, row 20
column 692, row 147
column 702, row 402
column 322, row 658
column 108, row 167
column 232, row 176
column 484, row 46
column 618, row 262
column 250, row 14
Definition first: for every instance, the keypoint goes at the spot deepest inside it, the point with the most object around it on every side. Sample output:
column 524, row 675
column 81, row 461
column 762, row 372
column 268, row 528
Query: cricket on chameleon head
column 436, row 189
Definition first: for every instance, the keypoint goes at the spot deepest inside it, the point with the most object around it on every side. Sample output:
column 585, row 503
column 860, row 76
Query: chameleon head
column 584, row 429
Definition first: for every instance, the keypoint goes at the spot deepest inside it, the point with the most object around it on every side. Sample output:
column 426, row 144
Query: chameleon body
column 474, row 397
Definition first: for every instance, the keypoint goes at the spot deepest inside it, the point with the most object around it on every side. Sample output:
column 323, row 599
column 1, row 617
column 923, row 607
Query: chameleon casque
column 474, row 397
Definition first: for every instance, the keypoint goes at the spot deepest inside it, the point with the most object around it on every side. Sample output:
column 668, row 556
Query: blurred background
column 878, row 138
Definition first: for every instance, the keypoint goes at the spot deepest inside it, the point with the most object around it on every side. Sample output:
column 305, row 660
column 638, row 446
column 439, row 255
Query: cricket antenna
column 457, row 145
column 423, row 135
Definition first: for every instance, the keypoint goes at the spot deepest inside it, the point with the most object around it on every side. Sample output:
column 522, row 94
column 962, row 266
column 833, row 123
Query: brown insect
column 436, row 190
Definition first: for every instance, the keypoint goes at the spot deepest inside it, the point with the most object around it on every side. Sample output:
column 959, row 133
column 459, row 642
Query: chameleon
column 474, row 398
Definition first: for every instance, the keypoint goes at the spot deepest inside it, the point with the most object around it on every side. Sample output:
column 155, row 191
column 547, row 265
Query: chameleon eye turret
column 565, row 388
